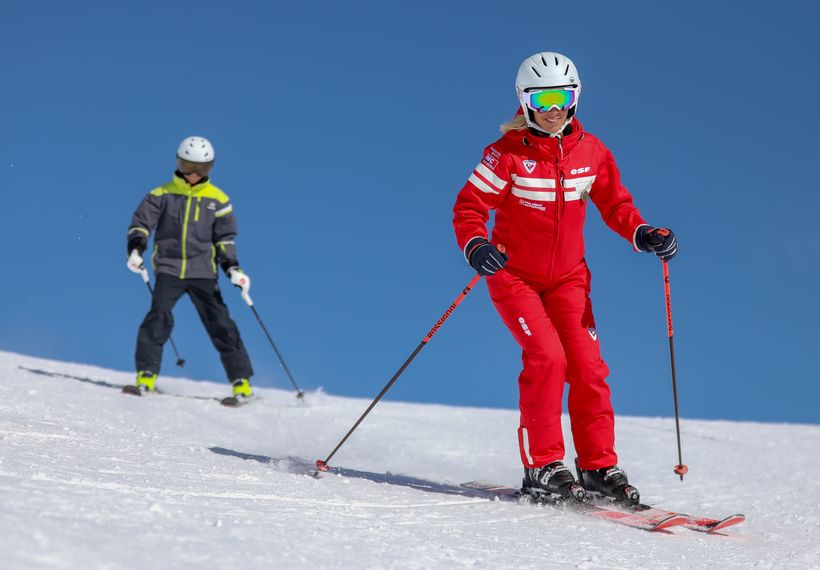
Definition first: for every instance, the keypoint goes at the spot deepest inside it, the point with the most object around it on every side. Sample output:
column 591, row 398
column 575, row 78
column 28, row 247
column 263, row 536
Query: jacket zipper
column 559, row 206
column 185, row 237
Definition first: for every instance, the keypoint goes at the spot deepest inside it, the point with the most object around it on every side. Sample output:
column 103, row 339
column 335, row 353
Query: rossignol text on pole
column 322, row 465
column 144, row 273
column 680, row 468
column 247, row 298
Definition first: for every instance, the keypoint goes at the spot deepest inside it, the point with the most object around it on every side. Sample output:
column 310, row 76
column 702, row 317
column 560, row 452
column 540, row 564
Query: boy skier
column 195, row 230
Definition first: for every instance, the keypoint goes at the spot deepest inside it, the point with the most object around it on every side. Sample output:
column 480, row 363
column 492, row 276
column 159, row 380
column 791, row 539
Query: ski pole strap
column 668, row 292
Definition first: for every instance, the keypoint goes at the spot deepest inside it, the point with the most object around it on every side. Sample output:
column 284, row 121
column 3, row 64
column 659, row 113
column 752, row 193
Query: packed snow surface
column 92, row 478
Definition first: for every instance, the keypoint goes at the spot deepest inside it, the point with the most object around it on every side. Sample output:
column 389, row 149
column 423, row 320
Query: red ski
column 700, row 524
column 634, row 519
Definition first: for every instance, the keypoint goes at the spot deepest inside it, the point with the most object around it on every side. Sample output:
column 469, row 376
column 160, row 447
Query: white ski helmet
column 196, row 149
column 546, row 70
column 195, row 154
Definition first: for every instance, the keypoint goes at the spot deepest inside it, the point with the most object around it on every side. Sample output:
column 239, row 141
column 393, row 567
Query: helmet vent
column 543, row 61
column 535, row 71
column 556, row 60
column 566, row 71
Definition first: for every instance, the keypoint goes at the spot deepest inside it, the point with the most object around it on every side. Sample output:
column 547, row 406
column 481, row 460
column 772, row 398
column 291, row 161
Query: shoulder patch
column 491, row 158
column 159, row 191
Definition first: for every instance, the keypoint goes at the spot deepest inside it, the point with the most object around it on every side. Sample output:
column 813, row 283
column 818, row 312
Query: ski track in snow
column 91, row 478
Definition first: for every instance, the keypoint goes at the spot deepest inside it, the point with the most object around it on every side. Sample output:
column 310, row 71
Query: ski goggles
column 188, row 167
column 543, row 101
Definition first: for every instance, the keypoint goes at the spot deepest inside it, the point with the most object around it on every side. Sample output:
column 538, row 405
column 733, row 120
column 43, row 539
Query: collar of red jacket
column 527, row 138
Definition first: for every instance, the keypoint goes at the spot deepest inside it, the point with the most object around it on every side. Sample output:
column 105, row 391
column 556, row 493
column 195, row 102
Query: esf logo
column 582, row 170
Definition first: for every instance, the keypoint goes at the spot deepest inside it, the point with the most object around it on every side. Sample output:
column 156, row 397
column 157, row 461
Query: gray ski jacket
column 195, row 229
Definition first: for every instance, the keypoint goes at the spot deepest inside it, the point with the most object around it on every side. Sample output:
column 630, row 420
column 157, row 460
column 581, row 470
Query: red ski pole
column 322, row 465
column 680, row 468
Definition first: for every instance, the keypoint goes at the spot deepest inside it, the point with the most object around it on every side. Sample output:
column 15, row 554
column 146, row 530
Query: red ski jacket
column 539, row 187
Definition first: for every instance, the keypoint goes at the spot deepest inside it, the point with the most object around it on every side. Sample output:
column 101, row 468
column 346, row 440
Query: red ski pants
column 555, row 328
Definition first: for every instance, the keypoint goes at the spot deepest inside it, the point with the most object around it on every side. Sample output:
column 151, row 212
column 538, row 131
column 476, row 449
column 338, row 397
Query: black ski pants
column 156, row 327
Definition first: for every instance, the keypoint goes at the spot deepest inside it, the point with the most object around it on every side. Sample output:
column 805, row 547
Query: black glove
column 138, row 242
column 660, row 241
column 484, row 257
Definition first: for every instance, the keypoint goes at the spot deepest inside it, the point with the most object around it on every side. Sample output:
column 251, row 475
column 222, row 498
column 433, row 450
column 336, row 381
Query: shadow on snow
column 299, row 466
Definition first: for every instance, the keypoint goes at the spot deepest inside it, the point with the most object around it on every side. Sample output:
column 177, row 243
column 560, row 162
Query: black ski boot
column 553, row 482
column 608, row 482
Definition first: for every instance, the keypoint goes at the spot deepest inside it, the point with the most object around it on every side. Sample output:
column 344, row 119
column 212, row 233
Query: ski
column 699, row 524
column 132, row 390
column 634, row 519
column 229, row 402
column 232, row 402
column 129, row 389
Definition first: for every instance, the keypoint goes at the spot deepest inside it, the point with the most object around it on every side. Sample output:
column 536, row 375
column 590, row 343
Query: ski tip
column 727, row 522
column 483, row 485
column 131, row 390
column 234, row 402
column 672, row 520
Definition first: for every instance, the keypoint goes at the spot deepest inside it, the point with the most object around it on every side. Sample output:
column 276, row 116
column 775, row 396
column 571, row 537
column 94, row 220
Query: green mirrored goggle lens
column 543, row 101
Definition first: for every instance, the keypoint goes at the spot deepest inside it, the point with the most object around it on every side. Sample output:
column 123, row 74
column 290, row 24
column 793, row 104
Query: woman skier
column 538, row 177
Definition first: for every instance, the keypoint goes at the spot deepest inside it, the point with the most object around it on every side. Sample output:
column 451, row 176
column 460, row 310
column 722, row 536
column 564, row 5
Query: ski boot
column 241, row 393
column 609, row 483
column 145, row 384
column 551, row 483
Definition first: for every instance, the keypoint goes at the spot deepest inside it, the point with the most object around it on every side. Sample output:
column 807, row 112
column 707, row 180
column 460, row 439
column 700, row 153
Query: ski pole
column 322, row 465
column 144, row 273
column 680, row 468
column 247, row 298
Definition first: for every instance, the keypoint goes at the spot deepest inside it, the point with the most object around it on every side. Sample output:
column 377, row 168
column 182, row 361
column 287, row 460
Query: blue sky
column 343, row 133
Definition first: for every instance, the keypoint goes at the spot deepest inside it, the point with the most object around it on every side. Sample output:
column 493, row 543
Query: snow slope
column 90, row 478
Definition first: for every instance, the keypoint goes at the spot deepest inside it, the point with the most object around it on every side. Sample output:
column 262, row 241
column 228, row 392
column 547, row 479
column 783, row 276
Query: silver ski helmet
column 195, row 154
column 546, row 70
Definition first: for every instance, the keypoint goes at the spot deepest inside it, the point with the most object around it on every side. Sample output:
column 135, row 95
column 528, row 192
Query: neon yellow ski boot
column 146, row 381
column 241, row 388
column 241, row 393
column 145, row 384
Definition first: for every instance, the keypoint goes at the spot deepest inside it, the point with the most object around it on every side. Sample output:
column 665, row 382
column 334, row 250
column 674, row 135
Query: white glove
column 241, row 280
column 135, row 261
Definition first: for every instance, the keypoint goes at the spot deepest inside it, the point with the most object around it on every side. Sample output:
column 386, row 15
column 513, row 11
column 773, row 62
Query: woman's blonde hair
column 517, row 123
